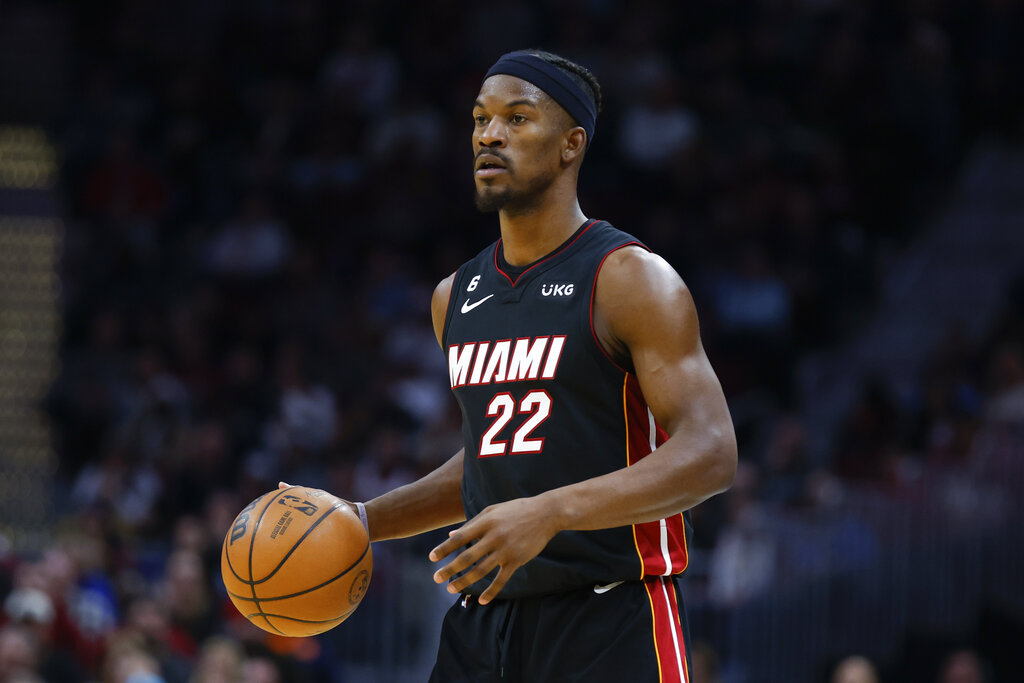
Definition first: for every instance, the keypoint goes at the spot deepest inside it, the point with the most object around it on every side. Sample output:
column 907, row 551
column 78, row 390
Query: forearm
column 426, row 504
column 675, row 477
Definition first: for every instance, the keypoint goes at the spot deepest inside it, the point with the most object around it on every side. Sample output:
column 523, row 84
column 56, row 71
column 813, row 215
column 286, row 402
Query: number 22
column 536, row 403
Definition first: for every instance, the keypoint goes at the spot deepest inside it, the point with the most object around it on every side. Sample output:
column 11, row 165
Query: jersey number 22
column 536, row 405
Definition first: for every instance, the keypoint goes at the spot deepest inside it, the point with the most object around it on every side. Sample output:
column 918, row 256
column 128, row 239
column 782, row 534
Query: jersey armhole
column 590, row 307
column 456, row 281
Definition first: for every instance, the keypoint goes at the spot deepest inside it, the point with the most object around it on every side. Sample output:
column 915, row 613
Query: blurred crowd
column 260, row 197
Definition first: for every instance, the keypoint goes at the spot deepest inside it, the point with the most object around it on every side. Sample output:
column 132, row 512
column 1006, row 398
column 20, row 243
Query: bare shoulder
column 634, row 267
column 439, row 304
column 640, row 296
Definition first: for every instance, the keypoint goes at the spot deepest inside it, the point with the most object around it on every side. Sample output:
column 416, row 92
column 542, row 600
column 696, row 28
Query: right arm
column 435, row 500
column 426, row 504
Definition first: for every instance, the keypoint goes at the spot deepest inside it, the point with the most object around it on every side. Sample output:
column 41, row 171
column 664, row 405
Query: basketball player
column 592, row 418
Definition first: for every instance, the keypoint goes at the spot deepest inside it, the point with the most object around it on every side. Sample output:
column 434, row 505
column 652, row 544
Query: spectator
column 186, row 597
column 220, row 661
column 19, row 653
column 867, row 442
column 260, row 670
column 254, row 245
column 743, row 561
column 384, row 465
column 785, row 463
column 963, row 666
column 1007, row 380
column 658, row 129
column 128, row 662
column 169, row 646
column 361, row 72
column 855, row 669
column 752, row 299
column 705, row 663
column 32, row 609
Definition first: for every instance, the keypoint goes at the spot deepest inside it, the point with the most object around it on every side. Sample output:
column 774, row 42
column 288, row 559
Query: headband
column 552, row 80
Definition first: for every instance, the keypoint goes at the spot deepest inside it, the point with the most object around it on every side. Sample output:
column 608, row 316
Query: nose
column 494, row 134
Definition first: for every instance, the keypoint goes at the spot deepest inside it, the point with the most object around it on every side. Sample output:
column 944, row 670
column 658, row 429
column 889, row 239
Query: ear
column 574, row 145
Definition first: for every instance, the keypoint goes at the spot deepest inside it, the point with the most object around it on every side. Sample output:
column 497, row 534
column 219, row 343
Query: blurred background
column 221, row 222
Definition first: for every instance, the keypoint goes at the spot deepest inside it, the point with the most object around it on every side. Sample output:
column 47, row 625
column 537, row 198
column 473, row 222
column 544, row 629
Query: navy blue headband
column 552, row 80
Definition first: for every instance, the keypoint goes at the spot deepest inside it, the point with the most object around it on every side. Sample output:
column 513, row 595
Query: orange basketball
column 296, row 561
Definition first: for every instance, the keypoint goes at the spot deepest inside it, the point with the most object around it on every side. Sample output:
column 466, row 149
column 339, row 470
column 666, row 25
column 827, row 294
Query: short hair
column 580, row 75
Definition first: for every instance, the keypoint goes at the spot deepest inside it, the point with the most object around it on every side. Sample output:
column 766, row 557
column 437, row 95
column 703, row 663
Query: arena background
column 221, row 221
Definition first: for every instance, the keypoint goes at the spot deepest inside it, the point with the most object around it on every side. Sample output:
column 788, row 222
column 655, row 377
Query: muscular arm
column 643, row 314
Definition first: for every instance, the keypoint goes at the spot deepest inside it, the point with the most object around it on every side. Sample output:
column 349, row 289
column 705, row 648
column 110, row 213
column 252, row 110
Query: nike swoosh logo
column 607, row 587
column 467, row 307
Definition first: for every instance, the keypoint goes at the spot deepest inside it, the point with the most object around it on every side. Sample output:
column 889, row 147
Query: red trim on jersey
column 546, row 258
column 669, row 645
column 593, row 289
column 661, row 544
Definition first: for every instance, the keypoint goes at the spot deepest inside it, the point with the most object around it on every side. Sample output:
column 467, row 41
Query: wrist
column 557, row 510
column 361, row 511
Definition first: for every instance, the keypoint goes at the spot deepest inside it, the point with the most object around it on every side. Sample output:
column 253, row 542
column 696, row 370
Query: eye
column 480, row 119
column 518, row 118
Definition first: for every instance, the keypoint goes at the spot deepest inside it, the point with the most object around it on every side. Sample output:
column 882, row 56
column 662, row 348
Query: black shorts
column 635, row 632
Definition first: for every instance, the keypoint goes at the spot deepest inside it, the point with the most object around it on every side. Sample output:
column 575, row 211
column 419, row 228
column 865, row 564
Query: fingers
column 482, row 569
column 464, row 560
column 282, row 485
column 499, row 582
column 456, row 539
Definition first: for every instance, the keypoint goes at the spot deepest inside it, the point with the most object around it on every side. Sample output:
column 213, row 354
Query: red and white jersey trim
column 660, row 545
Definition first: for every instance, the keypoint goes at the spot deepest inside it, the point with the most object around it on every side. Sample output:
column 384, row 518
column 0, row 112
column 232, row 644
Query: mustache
column 493, row 153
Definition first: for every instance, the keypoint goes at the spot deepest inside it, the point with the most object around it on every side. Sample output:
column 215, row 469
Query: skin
column 644, row 317
column 855, row 670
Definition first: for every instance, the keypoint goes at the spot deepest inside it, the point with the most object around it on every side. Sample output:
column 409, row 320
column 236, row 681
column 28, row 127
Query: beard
column 489, row 199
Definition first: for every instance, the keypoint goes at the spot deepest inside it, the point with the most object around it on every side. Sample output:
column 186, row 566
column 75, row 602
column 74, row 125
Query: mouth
column 488, row 166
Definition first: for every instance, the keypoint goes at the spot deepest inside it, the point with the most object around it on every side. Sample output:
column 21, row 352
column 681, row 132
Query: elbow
column 722, row 468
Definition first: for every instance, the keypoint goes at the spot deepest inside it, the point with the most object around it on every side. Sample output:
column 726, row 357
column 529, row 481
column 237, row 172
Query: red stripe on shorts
column 668, row 632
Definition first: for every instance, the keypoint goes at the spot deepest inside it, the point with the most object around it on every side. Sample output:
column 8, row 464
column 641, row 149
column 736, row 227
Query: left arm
column 643, row 314
column 648, row 313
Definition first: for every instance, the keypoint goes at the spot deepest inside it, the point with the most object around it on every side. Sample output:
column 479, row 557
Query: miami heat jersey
column 544, row 406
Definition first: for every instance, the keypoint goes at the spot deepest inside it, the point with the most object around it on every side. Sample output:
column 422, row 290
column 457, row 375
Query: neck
column 533, row 232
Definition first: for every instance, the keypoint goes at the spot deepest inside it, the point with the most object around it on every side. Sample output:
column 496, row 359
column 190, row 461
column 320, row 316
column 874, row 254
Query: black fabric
column 552, row 80
column 570, row 637
column 584, row 434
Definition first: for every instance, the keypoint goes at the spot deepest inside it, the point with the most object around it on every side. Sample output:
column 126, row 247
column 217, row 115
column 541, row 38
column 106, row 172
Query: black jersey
column 544, row 406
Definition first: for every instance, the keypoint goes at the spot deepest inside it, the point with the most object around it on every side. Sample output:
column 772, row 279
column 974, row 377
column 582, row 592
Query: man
column 592, row 418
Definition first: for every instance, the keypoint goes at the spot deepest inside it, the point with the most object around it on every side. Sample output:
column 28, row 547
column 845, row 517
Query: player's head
column 533, row 120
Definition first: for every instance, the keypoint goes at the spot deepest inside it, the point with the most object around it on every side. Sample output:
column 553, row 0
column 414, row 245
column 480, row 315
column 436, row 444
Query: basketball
column 296, row 561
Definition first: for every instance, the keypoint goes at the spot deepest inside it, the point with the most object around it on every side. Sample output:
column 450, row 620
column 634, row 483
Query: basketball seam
column 301, row 621
column 252, row 544
column 250, row 581
column 227, row 553
column 291, row 550
column 313, row 588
